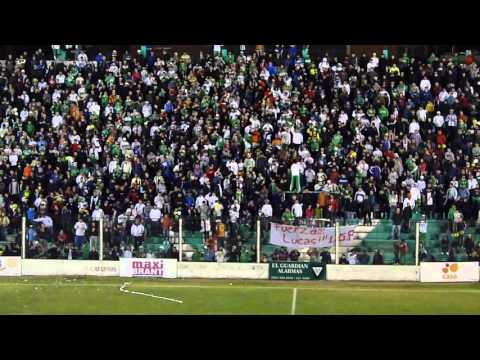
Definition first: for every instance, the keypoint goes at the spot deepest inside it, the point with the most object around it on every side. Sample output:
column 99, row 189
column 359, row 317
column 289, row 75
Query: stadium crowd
column 142, row 140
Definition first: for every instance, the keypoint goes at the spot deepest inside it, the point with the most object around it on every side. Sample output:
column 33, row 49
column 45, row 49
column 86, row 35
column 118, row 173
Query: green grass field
column 81, row 295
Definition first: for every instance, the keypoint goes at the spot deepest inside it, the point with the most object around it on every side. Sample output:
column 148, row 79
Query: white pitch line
column 181, row 286
column 294, row 301
column 122, row 289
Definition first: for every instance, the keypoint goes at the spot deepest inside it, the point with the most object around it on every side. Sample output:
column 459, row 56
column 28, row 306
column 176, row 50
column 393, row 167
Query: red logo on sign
column 147, row 268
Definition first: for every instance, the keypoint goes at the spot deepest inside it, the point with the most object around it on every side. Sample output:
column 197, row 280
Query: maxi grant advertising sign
column 310, row 237
column 296, row 271
column 164, row 268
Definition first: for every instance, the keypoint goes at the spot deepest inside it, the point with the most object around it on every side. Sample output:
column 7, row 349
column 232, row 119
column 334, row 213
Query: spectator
column 297, row 211
column 343, row 260
column 325, row 257
column 137, row 231
column 4, row 222
column 80, row 230
column 378, row 258
column 403, row 251
column 313, row 254
column 468, row 244
column 352, row 258
column 451, row 255
column 397, row 224
column 363, row 258
column 294, row 255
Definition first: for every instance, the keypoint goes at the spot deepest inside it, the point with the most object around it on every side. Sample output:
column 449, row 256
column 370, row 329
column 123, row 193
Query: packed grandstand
column 142, row 140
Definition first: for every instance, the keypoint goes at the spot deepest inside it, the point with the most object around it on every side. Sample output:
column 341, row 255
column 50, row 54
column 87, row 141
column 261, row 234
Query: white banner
column 449, row 272
column 310, row 237
column 10, row 266
column 70, row 267
column 165, row 268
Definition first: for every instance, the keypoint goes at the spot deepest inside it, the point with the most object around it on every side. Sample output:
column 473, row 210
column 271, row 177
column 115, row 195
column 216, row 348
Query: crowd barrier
column 373, row 272
column 171, row 268
column 222, row 270
column 70, row 267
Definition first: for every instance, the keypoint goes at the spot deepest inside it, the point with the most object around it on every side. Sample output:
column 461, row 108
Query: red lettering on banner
column 351, row 234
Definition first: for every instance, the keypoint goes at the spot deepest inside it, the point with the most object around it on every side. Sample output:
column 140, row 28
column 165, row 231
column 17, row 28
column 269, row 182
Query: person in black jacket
column 406, row 215
column 326, row 257
column 468, row 244
column 451, row 255
column 343, row 260
column 378, row 258
column 367, row 219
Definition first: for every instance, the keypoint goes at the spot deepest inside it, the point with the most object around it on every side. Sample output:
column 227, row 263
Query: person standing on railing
column 295, row 170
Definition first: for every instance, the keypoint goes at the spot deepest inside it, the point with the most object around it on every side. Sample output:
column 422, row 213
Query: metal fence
column 195, row 238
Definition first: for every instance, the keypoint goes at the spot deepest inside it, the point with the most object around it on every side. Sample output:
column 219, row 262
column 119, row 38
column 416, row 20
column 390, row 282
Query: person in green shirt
column 306, row 52
column 412, row 166
column 288, row 217
column 371, row 112
column 85, row 250
column 451, row 216
column 383, row 113
column 336, row 143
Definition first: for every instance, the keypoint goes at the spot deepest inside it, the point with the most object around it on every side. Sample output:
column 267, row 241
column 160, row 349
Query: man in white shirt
column 97, row 214
column 443, row 95
column 422, row 114
column 297, row 211
column 137, row 230
column 211, row 199
column 232, row 165
column 147, row 109
column 80, row 230
column 57, row 120
column 438, row 120
column 413, row 127
column 266, row 209
column 297, row 138
column 13, row 159
column 139, row 208
column 425, row 84
column 452, row 120
column 60, row 78
column 472, row 183
column 127, row 253
column 199, row 201
column 155, row 216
